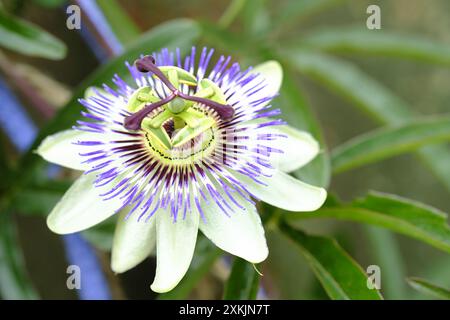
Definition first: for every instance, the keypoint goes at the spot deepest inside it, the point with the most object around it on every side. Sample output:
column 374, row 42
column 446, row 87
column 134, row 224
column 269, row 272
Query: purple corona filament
column 147, row 64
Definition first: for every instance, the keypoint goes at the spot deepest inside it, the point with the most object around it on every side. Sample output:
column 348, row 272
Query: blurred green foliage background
column 341, row 81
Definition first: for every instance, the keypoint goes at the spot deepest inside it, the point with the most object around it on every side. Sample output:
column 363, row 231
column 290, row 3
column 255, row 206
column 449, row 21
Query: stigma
column 177, row 102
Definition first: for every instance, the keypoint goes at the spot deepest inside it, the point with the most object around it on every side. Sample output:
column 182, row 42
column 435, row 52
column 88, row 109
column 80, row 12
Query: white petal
column 174, row 248
column 273, row 73
column 286, row 192
column 241, row 234
column 59, row 148
column 133, row 242
column 81, row 207
column 298, row 148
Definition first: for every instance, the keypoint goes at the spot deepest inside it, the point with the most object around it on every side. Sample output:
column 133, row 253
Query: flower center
column 200, row 146
column 180, row 128
column 177, row 101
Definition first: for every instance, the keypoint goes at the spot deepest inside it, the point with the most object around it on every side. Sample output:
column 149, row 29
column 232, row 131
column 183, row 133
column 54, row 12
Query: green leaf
column 123, row 27
column 341, row 277
column 398, row 214
column 349, row 81
column 387, row 142
column 358, row 39
column 14, row 281
column 298, row 113
column 206, row 253
column 26, row 38
column 176, row 33
column 428, row 288
column 243, row 282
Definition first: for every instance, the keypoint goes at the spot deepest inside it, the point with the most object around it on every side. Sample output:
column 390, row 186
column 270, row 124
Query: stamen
column 134, row 121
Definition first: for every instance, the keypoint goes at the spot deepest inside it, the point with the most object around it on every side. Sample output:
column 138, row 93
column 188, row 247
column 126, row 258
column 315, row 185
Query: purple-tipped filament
column 147, row 64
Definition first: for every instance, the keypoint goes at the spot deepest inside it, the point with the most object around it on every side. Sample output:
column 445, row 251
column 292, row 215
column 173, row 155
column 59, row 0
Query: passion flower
column 185, row 147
